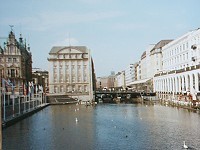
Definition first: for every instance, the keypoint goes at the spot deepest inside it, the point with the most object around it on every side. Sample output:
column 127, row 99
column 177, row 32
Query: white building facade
column 70, row 72
column 181, row 67
column 155, row 61
column 129, row 74
column 120, row 80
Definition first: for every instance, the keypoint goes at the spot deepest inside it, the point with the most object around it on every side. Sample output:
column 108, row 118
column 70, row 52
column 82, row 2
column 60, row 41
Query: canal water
column 105, row 127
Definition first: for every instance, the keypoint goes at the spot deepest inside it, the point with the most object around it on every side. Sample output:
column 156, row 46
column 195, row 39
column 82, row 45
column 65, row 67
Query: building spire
column 11, row 27
column 21, row 39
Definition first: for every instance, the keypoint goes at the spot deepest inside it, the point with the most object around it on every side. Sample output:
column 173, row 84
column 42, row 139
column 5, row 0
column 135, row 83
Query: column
column 196, row 82
column 191, row 82
column 183, row 83
column 180, row 83
column 186, row 82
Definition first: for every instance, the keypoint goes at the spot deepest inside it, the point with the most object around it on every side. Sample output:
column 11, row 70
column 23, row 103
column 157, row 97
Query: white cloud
column 48, row 20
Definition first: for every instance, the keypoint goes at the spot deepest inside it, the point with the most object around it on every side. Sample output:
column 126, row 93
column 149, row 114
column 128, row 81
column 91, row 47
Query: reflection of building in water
column 15, row 63
column 71, row 72
column 181, row 66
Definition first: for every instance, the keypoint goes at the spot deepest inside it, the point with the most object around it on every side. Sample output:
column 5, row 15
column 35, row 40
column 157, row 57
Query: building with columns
column 181, row 67
column 70, row 72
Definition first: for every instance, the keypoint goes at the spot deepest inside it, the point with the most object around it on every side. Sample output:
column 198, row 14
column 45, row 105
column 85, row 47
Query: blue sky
column 116, row 31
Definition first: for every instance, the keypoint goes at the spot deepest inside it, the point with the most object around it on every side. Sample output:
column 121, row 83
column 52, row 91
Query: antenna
column 20, row 28
column 69, row 41
column 11, row 26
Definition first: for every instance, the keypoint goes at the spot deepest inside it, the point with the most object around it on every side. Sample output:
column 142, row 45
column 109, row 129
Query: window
column 79, row 88
column 67, row 88
column 73, row 78
column 73, row 88
column 187, row 45
column 67, row 78
column 61, row 89
column 14, row 60
column 61, row 78
column 11, row 49
column 12, row 73
column 85, row 88
column 85, row 78
column 66, row 67
column 79, row 78
column 55, row 89
column 9, row 60
column 55, row 70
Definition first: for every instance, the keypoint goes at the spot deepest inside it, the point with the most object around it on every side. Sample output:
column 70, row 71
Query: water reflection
column 122, row 126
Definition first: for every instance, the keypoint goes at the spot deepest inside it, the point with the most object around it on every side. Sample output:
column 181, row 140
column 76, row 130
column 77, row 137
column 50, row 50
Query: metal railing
column 14, row 106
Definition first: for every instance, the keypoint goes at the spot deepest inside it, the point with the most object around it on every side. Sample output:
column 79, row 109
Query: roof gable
column 70, row 49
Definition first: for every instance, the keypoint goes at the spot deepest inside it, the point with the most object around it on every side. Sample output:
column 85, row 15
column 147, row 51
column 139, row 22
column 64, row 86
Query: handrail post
column 0, row 124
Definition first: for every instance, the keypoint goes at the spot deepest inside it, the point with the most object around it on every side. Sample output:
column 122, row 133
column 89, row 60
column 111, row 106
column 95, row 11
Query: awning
column 140, row 81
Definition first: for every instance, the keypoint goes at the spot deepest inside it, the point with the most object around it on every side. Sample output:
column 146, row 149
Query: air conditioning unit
column 193, row 58
column 194, row 46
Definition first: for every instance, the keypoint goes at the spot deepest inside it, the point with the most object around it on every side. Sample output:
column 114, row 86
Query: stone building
column 41, row 78
column 102, row 83
column 71, row 72
column 106, row 82
column 16, row 63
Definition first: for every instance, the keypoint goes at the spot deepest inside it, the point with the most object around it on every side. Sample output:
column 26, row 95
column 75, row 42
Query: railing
column 14, row 106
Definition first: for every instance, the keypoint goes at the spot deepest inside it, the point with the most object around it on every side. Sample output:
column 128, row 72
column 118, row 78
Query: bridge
column 121, row 96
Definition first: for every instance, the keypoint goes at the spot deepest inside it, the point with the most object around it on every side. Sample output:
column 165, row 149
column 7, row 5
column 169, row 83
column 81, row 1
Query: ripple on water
column 107, row 126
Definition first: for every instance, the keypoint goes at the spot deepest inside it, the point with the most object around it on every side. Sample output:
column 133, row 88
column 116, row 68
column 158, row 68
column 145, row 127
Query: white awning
column 140, row 81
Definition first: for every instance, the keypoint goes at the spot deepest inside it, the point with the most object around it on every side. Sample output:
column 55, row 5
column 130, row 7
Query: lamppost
column 0, row 119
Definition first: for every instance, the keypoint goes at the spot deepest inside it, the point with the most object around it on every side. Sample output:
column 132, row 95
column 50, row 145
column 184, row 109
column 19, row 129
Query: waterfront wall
column 14, row 108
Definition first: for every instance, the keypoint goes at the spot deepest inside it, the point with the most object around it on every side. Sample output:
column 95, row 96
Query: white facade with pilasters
column 70, row 72
column 181, row 66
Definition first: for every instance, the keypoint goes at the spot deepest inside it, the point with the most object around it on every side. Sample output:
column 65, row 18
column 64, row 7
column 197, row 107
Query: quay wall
column 18, row 118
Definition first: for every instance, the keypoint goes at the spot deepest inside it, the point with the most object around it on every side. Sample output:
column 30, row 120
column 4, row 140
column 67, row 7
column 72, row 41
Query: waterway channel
column 105, row 127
